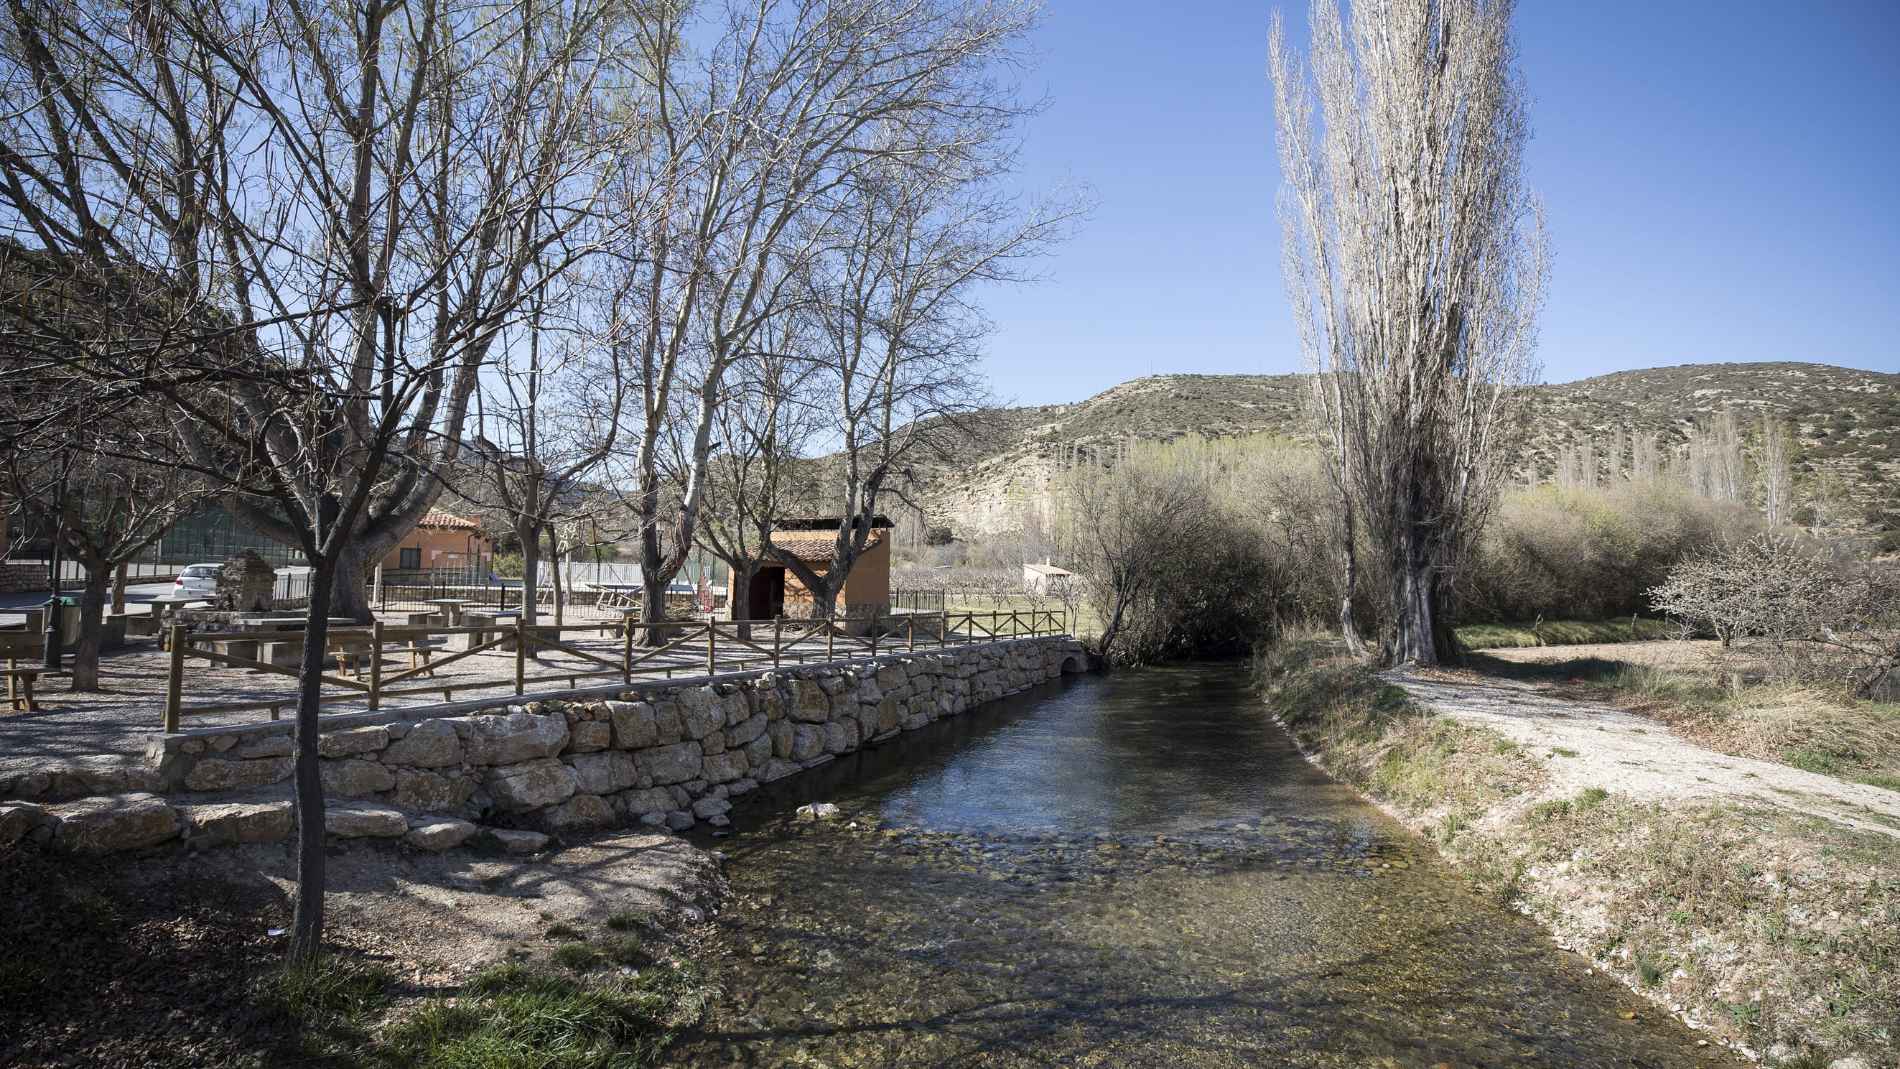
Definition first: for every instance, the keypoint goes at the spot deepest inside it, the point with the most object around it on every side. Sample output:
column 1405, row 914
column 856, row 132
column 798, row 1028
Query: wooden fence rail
column 366, row 673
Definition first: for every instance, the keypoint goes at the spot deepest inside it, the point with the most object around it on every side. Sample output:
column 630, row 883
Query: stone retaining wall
column 655, row 753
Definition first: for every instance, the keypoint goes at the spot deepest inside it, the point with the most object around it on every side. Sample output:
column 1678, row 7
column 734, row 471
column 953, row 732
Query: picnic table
column 451, row 608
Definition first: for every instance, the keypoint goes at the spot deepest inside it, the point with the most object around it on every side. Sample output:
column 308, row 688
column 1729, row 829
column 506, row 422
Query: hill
column 1847, row 426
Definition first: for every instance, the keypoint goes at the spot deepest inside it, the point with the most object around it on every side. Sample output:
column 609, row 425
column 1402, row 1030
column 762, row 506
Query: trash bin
column 69, row 620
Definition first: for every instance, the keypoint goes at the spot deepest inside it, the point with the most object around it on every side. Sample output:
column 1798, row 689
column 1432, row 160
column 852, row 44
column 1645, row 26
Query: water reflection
column 1129, row 870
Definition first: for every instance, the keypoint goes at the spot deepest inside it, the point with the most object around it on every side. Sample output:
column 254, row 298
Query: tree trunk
column 306, row 926
column 349, row 593
column 554, row 570
column 92, row 627
column 529, row 535
column 118, row 588
column 739, row 597
column 1349, row 580
column 652, row 587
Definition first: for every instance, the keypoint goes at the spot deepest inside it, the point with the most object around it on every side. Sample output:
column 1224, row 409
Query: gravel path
column 1589, row 744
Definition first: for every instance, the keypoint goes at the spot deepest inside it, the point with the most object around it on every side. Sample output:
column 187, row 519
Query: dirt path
column 1589, row 744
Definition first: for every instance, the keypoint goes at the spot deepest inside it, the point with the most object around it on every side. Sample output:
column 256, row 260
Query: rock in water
column 817, row 811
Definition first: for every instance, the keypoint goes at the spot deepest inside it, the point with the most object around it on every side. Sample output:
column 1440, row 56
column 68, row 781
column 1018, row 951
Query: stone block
column 746, row 730
column 775, row 769
column 220, row 823
column 279, row 745
column 603, row 773
column 724, row 767
column 513, row 841
column 18, row 818
column 223, row 774
column 510, row 738
column 758, row 751
column 430, row 744
column 638, row 803
column 812, row 704
column 634, row 726
column 841, row 736
column 707, row 808
column 530, row 784
column 353, row 778
column 430, row 792
column 364, row 822
column 439, row 835
column 669, row 764
column 808, row 741
column 589, row 736
column 583, row 811
column 347, row 741
column 780, row 732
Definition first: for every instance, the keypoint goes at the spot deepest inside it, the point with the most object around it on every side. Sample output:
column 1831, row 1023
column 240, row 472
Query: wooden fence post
column 910, row 632
column 943, row 629
column 521, row 653
column 712, row 646
column 775, row 640
column 830, row 624
column 375, row 664
column 175, row 678
column 626, row 649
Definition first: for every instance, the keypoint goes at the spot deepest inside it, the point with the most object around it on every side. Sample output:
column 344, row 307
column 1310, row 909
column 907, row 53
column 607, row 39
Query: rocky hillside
column 1848, row 429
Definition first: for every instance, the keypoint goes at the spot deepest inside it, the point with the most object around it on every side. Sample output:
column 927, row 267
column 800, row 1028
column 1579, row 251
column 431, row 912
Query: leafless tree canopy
column 1414, row 261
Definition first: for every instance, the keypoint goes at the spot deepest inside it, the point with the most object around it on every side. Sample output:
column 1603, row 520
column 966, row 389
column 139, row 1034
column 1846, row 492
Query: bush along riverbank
column 1774, row 929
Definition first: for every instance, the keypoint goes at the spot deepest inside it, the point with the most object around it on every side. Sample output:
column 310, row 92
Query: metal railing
column 698, row 647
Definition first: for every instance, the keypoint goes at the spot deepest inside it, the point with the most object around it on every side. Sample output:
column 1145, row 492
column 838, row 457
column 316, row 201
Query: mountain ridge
column 1846, row 421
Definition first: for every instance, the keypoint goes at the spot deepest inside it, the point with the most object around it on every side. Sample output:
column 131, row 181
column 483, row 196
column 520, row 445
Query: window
column 410, row 559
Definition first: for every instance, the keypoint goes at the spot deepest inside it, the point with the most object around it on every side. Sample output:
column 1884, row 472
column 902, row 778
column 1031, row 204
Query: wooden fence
column 383, row 661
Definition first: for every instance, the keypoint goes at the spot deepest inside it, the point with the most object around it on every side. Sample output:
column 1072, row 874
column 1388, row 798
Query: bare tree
column 362, row 192
column 752, row 142
column 767, row 418
column 1415, row 261
column 899, row 329
column 1775, row 470
column 549, row 418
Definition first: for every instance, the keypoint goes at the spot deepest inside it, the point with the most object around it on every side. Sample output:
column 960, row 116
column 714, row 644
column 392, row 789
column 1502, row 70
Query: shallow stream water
column 1130, row 870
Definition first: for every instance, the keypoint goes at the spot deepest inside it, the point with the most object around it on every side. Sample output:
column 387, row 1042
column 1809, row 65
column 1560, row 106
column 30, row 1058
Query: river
column 1128, row 870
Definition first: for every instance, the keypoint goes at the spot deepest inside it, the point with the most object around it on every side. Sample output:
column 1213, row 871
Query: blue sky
column 1722, row 182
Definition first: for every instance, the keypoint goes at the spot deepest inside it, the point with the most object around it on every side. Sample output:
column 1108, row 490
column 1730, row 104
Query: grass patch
column 1371, row 734
column 329, row 988
column 518, row 1018
column 1562, row 633
column 564, row 932
column 577, row 957
column 624, row 921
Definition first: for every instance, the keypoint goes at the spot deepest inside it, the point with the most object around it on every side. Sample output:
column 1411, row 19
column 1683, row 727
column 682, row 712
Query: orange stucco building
column 443, row 541
column 776, row 591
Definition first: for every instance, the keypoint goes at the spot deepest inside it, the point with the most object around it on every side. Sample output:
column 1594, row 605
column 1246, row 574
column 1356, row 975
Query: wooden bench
column 20, row 686
column 352, row 658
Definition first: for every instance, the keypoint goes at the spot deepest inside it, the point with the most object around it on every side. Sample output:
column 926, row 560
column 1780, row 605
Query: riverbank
column 435, row 961
column 1756, row 901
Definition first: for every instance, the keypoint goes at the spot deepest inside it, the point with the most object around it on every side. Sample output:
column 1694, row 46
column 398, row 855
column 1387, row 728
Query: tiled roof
column 814, row 547
column 438, row 518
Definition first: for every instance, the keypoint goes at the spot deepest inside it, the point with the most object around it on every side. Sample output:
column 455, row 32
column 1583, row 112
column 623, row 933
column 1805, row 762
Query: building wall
column 443, row 548
column 870, row 580
column 868, row 584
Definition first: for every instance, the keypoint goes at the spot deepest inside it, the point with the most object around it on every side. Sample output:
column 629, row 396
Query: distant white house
column 1046, row 579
